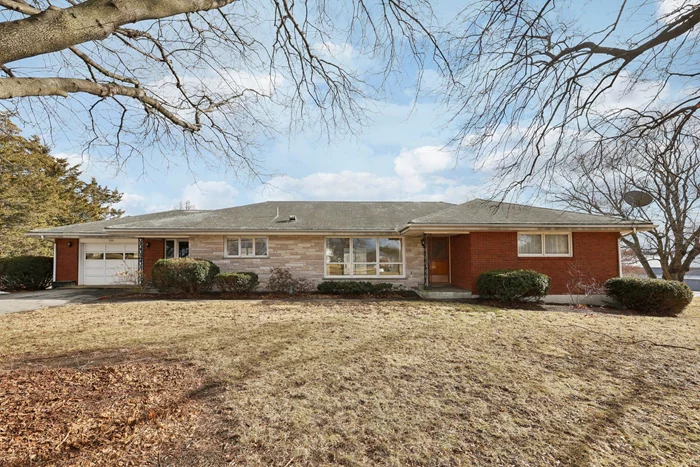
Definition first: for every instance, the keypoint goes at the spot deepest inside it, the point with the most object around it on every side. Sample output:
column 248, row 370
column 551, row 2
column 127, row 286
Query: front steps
column 443, row 293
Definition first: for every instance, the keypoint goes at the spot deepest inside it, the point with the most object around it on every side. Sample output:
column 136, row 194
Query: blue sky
column 398, row 155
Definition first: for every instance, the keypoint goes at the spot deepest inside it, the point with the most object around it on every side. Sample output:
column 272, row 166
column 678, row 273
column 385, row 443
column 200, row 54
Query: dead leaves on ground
column 123, row 414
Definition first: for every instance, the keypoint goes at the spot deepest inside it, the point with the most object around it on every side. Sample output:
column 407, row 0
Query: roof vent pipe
column 278, row 213
column 292, row 218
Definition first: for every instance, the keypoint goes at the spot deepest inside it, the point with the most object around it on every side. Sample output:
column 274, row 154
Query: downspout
column 619, row 256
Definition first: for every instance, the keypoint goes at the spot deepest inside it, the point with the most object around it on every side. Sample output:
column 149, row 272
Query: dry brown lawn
column 388, row 382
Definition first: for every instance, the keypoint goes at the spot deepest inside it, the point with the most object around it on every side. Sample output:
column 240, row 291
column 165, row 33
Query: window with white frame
column 245, row 247
column 364, row 257
column 544, row 244
column 177, row 248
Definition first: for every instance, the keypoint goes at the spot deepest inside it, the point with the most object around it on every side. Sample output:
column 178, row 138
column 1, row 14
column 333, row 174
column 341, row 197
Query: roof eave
column 466, row 228
column 50, row 235
column 174, row 233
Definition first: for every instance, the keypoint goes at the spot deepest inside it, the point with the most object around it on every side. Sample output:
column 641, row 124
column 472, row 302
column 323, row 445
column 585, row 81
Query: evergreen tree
column 39, row 190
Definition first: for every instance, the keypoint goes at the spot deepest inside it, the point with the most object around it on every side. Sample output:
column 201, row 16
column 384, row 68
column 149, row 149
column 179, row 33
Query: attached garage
column 107, row 263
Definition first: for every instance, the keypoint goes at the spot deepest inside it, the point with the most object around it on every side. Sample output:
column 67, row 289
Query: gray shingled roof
column 311, row 216
column 98, row 228
column 340, row 216
column 483, row 212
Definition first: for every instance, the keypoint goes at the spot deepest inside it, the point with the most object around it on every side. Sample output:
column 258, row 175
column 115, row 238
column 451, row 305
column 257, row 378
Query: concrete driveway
column 26, row 301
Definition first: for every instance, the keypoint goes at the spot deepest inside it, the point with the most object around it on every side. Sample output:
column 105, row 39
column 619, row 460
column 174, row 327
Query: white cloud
column 416, row 177
column 209, row 195
column 670, row 10
column 222, row 82
column 82, row 160
column 629, row 93
column 455, row 194
column 342, row 53
column 412, row 165
column 134, row 203
column 344, row 185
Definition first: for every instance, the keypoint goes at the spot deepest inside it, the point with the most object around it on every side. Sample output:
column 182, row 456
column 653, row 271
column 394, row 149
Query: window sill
column 359, row 278
column 246, row 257
column 545, row 256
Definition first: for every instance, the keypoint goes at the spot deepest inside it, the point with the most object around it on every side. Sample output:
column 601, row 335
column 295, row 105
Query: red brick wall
column 594, row 253
column 151, row 254
column 461, row 260
column 67, row 259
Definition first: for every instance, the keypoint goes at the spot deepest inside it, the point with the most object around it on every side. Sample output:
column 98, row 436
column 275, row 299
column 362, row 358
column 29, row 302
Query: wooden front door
column 439, row 260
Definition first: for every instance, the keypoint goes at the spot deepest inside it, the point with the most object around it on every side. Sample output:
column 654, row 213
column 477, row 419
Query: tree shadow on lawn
column 603, row 427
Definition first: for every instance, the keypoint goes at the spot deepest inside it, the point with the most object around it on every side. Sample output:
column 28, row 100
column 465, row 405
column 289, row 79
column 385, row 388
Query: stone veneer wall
column 302, row 254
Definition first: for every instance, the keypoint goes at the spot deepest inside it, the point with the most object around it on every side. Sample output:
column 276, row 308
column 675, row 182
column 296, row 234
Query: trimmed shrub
column 282, row 281
column 354, row 288
column 237, row 282
column 26, row 272
column 186, row 275
column 303, row 285
column 652, row 296
column 513, row 285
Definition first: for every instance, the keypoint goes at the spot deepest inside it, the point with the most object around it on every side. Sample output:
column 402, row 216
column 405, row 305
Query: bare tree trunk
column 636, row 247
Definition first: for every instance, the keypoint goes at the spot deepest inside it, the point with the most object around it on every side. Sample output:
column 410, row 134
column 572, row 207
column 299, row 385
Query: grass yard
column 347, row 382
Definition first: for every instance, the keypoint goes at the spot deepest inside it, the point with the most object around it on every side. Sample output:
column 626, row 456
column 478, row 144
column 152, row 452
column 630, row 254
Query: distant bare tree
column 665, row 163
column 186, row 205
column 630, row 263
column 199, row 78
column 535, row 81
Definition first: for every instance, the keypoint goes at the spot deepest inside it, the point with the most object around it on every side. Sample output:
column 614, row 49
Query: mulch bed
column 141, row 412
column 403, row 295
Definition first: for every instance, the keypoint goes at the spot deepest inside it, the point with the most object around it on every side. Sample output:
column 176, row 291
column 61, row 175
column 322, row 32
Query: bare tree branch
column 533, row 84
column 22, row 87
column 88, row 21
column 203, row 80
column 665, row 163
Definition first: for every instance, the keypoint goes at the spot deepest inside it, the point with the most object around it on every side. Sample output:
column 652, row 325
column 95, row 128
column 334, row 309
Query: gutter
column 446, row 228
column 412, row 228
column 174, row 233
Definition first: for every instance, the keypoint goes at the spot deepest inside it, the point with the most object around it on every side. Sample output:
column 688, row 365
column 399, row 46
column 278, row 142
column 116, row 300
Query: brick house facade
column 594, row 255
column 441, row 244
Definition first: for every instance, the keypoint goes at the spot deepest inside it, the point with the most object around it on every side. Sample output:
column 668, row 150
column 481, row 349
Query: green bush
column 237, row 282
column 282, row 281
column 26, row 272
column 513, row 285
column 653, row 296
column 353, row 288
column 186, row 275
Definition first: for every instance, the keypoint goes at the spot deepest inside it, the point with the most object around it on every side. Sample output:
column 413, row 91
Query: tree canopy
column 39, row 190
column 538, row 82
column 203, row 79
column 596, row 181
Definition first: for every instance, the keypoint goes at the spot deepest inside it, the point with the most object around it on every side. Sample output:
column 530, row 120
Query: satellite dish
column 637, row 199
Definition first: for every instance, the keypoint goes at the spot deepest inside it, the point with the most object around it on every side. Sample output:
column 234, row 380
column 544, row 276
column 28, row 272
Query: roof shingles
column 339, row 216
column 484, row 212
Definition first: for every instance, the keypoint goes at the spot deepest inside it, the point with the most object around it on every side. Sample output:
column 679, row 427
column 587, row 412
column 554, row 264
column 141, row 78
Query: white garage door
column 109, row 263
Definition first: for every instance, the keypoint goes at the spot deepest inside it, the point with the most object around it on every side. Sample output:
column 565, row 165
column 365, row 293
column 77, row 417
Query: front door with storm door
column 439, row 260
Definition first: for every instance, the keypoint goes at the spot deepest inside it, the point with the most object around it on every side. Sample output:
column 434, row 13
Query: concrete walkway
column 26, row 301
